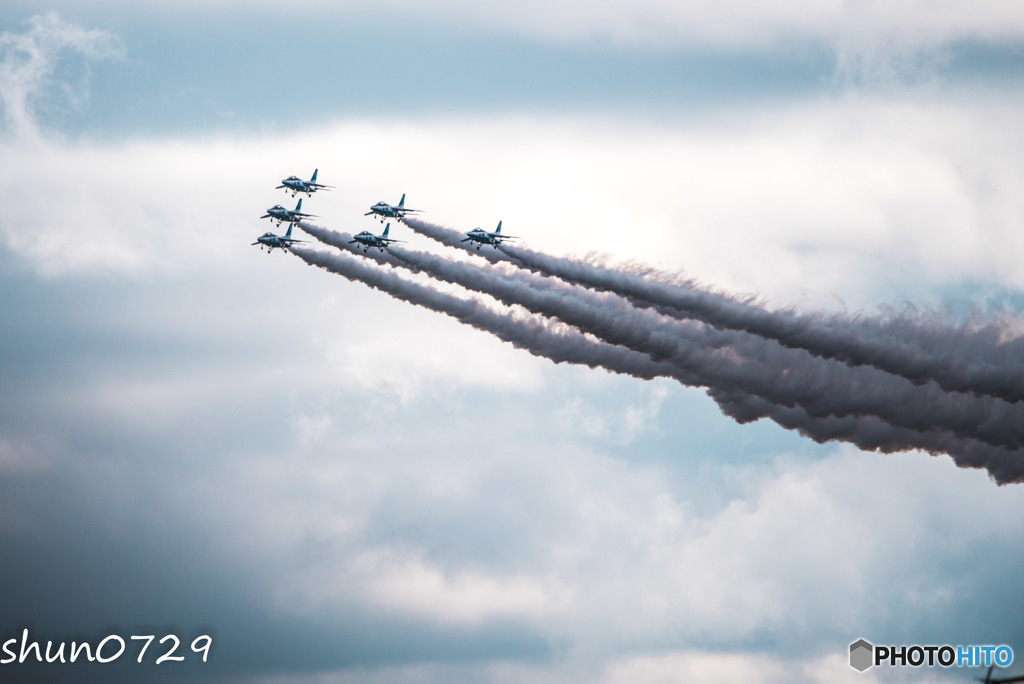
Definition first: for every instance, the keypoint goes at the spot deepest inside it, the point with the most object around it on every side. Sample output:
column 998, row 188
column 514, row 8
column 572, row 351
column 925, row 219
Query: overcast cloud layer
column 196, row 437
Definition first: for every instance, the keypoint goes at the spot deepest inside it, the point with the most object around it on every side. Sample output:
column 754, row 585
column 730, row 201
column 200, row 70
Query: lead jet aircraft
column 297, row 185
column 368, row 239
column 281, row 215
column 385, row 210
column 482, row 237
column 276, row 241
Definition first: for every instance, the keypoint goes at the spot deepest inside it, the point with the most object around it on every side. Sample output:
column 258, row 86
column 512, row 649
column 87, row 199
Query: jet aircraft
column 281, row 215
column 482, row 237
column 276, row 241
column 385, row 210
column 368, row 239
column 297, row 185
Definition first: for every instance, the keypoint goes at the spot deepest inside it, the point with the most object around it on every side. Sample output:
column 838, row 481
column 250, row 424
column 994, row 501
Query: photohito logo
column 863, row 655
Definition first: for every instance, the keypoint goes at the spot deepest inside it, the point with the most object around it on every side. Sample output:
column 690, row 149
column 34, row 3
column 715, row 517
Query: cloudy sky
column 196, row 437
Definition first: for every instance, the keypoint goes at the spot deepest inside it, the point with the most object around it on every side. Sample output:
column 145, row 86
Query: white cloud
column 606, row 555
column 411, row 585
column 28, row 61
column 617, row 425
column 857, row 198
column 631, row 581
column 363, row 343
column 696, row 668
column 664, row 23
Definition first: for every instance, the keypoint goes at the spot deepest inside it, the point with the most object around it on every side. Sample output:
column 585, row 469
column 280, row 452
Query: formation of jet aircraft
column 297, row 185
column 366, row 239
column 282, row 215
column 482, row 237
column 384, row 210
column 272, row 242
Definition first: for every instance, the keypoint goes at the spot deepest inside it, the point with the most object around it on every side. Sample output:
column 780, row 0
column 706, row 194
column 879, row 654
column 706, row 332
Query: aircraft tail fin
column 497, row 231
column 401, row 202
column 289, row 233
column 313, row 179
column 298, row 207
column 386, row 229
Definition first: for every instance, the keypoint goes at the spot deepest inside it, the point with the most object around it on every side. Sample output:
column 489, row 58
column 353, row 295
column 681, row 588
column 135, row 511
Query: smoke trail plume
column 966, row 358
column 742, row 370
column 785, row 376
column 539, row 337
column 956, row 358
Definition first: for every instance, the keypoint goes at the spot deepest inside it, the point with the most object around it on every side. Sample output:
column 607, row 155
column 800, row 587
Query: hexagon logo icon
column 861, row 655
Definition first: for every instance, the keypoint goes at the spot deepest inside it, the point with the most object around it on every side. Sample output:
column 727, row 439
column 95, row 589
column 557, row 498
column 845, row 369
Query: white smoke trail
column 761, row 367
column 702, row 362
column 974, row 357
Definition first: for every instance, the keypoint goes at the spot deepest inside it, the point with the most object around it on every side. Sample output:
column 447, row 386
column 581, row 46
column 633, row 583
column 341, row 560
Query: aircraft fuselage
column 281, row 214
column 297, row 185
column 367, row 239
column 482, row 237
column 272, row 242
column 385, row 210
